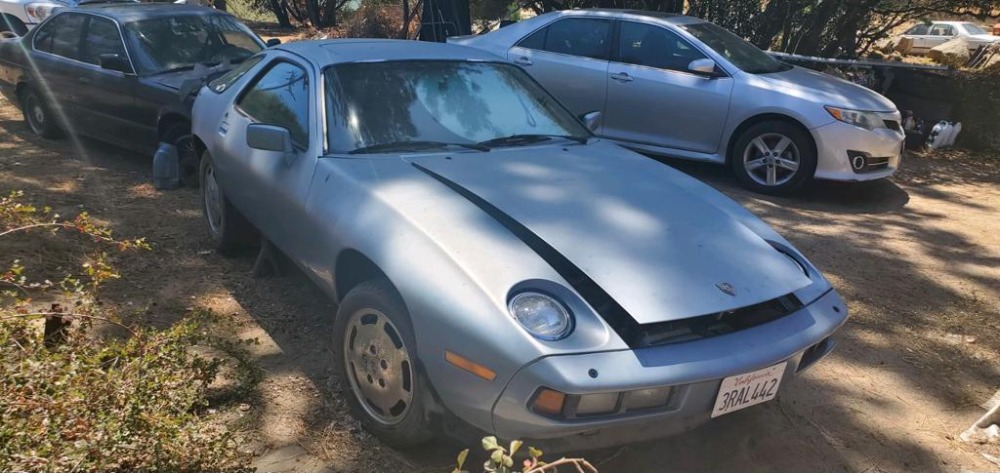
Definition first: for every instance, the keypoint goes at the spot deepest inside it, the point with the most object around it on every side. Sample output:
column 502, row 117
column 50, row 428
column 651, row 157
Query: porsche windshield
column 172, row 43
column 404, row 106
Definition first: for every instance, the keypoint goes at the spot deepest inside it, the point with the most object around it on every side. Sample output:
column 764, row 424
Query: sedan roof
column 339, row 51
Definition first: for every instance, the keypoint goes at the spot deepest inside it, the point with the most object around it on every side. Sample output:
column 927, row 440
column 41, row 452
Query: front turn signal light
column 549, row 402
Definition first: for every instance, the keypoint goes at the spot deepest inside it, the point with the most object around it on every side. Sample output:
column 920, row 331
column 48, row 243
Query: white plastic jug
column 165, row 167
column 935, row 139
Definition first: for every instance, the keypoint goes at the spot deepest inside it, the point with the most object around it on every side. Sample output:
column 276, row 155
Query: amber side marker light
column 470, row 366
column 549, row 402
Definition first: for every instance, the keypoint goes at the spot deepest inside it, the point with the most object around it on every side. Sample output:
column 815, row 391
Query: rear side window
column 280, row 97
column 61, row 36
column 943, row 30
column 584, row 37
column 223, row 82
column 102, row 38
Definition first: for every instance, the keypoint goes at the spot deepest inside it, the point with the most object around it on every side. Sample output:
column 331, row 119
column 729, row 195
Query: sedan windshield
column 181, row 42
column 973, row 28
column 740, row 53
column 427, row 105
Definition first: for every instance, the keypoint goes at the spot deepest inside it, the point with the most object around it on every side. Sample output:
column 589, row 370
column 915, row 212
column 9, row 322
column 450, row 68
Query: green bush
column 123, row 398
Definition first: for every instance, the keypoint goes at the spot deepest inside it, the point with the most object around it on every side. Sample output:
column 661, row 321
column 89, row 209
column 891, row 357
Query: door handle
column 622, row 77
column 83, row 80
column 523, row 61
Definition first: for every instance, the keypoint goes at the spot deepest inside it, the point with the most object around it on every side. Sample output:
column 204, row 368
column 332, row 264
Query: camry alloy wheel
column 213, row 201
column 378, row 366
column 771, row 159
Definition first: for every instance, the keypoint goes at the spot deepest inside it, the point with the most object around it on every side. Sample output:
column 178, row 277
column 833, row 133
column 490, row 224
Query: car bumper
column 694, row 370
column 841, row 146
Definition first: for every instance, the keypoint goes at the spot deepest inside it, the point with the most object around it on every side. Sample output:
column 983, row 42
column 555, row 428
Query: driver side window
column 654, row 46
column 280, row 97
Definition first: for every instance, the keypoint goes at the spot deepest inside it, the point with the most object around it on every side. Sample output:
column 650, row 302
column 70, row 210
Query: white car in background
column 928, row 35
column 18, row 16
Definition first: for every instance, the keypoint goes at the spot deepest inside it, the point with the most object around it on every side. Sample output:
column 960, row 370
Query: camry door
column 653, row 96
column 569, row 58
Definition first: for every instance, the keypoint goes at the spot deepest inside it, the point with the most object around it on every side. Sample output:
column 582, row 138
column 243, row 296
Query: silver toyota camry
column 683, row 87
column 493, row 262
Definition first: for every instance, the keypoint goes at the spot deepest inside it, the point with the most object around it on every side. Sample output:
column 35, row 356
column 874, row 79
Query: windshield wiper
column 414, row 146
column 174, row 69
column 527, row 139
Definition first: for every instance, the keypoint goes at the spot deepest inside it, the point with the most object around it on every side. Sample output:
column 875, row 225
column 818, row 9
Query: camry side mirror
column 705, row 67
column 273, row 42
column 115, row 62
column 592, row 120
column 271, row 138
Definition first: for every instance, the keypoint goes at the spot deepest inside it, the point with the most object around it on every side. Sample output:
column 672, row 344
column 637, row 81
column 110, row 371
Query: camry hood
column 629, row 223
column 824, row 89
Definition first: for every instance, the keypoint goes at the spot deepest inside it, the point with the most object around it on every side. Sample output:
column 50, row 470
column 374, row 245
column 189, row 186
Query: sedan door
column 653, row 98
column 106, row 96
column 269, row 188
column 55, row 64
column 939, row 34
column 569, row 58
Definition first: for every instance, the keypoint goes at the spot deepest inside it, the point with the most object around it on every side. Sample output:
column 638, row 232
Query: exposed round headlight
column 541, row 315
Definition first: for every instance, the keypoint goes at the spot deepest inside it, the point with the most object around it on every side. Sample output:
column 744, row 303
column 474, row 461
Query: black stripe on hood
column 614, row 314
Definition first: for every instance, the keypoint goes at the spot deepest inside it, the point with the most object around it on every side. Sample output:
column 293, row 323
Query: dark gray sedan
column 493, row 261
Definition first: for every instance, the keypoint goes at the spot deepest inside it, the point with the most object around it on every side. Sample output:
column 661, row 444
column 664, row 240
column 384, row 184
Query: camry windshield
column 740, row 53
column 181, row 42
column 422, row 105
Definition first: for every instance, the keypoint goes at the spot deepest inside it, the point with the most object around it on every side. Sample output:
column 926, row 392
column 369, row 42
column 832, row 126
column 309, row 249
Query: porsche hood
column 659, row 250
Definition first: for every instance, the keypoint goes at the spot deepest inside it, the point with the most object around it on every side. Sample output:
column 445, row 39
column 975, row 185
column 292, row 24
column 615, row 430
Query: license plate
column 748, row 389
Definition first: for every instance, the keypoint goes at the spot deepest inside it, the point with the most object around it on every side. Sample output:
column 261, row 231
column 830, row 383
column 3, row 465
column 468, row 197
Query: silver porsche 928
column 493, row 261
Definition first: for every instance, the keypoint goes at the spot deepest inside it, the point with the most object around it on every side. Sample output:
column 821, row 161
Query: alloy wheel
column 378, row 366
column 771, row 159
column 213, row 201
column 35, row 113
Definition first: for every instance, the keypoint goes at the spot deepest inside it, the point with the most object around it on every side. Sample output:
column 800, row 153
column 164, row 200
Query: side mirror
column 592, row 120
column 271, row 138
column 705, row 67
column 273, row 42
column 115, row 62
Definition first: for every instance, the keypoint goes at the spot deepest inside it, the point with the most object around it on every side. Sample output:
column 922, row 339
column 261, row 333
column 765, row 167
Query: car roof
column 339, row 51
column 672, row 18
column 131, row 11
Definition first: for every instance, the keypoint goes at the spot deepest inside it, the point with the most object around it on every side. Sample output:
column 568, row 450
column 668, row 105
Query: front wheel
column 227, row 228
column 375, row 358
column 773, row 157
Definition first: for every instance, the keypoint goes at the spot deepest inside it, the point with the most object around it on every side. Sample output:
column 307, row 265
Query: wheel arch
column 764, row 117
column 169, row 120
column 353, row 268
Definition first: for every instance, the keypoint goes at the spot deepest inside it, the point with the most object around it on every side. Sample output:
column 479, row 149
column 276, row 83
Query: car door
column 105, row 96
column 269, row 188
column 919, row 34
column 654, row 99
column 569, row 57
column 54, row 57
column 940, row 33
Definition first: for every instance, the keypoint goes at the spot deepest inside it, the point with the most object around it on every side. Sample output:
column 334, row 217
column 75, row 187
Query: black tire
column 800, row 151
column 38, row 114
column 377, row 298
column 188, row 161
column 231, row 231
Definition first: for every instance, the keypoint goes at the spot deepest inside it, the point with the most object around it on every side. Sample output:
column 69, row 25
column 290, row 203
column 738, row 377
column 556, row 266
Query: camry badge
column 727, row 288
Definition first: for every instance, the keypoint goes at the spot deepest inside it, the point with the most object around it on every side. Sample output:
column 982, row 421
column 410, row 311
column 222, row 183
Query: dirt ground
column 917, row 258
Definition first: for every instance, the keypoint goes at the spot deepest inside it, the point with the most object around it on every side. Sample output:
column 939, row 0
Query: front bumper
column 837, row 143
column 694, row 369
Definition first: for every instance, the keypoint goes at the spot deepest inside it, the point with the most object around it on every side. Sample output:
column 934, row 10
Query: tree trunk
column 312, row 9
column 278, row 8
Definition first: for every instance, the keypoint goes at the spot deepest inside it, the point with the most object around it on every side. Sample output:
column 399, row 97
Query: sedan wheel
column 773, row 157
column 227, row 228
column 376, row 361
column 36, row 113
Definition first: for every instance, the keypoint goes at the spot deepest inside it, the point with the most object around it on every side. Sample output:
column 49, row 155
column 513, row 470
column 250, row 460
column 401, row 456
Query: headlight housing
column 39, row 11
column 541, row 315
column 858, row 118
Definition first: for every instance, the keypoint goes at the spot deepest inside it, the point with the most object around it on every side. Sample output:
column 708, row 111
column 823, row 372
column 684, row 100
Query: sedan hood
column 825, row 90
column 200, row 74
column 630, row 224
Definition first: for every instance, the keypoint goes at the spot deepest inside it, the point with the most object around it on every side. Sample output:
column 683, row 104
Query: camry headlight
column 37, row 12
column 541, row 315
column 858, row 118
